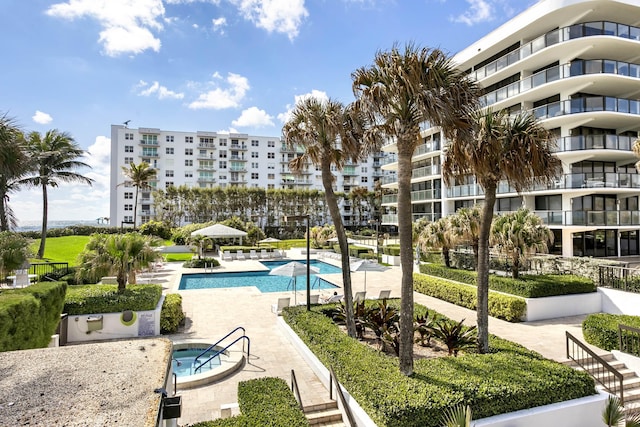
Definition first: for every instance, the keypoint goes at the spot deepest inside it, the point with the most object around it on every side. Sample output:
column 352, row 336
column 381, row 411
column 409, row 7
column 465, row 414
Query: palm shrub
column 457, row 416
column 613, row 414
column 425, row 328
column 454, row 335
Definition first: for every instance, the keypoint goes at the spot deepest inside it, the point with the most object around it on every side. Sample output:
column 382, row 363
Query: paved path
column 214, row 312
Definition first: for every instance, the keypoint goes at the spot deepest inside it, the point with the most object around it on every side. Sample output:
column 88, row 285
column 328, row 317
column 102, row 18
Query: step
column 607, row 357
column 325, row 416
column 332, row 404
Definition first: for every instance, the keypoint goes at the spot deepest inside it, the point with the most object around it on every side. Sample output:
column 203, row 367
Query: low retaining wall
column 619, row 302
column 107, row 326
column 562, row 306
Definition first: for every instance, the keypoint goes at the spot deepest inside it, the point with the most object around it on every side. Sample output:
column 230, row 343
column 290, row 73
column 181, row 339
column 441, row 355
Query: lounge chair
column 384, row 294
column 226, row 255
column 313, row 299
column 240, row 255
column 253, row 254
column 282, row 303
column 276, row 253
column 359, row 296
column 332, row 298
column 264, row 254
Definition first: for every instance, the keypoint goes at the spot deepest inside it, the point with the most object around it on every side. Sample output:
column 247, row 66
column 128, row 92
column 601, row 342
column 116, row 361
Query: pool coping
column 229, row 364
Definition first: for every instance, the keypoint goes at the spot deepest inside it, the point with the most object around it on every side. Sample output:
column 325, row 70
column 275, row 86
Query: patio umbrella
column 270, row 240
column 293, row 269
column 364, row 265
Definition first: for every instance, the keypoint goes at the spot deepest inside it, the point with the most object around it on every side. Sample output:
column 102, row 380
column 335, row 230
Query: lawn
column 61, row 249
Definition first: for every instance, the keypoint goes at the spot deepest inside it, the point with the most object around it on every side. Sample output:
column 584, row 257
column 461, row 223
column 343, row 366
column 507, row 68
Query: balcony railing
column 611, row 218
column 595, row 142
column 148, row 142
column 392, row 219
column 209, row 145
column 416, row 196
column 426, row 171
column 587, row 105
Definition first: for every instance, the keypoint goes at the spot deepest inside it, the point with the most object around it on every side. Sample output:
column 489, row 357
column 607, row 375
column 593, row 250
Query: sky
column 80, row 66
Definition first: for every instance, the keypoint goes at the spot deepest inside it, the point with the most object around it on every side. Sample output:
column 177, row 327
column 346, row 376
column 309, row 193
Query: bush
column 201, row 263
column 536, row 286
column 156, row 228
column 393, row 250
column 510, row 378
column 171, row 315
column 505, row 307
column 601, row 329
column 29, row 316
column 89, row 299
column 358, row 251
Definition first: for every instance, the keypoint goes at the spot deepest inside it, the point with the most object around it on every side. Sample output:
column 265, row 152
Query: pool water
column 184, row 363
column 259, row 279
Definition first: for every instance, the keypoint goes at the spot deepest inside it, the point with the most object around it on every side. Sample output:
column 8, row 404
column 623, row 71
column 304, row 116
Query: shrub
column 29, row 316
column 505, row 307
column 171, row 315
column 88, row 299
column 358, row 251
column 601, row 329
column 393, row 250
column 201, row 263
column 156, row 228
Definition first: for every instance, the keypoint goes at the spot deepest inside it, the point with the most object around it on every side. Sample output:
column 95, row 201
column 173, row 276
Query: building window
column 188, row 139
column 168, row 173
column 169, row 138
column 223, row 154
column 169, row 150
column 128, row 218
column 128, row 148
column 271, row 155
column 128, row 136
column 188, row 151
column 188, row 162
column 128, row 207
column 254, row 165
column 364, row 169
column 223, row 177
column 255, row 155
column 364, row 179
column 270, row 186
column 188, row 174
column 271, row 176
column 223, row 142
column 128, row 195
column 128, row 160
column 223, row 164
column 271, row 165
column 168, row 184
column 254, row 175
column 255, row 143
column 271, row 144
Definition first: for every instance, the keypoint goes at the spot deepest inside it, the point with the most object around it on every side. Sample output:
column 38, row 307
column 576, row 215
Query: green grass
column 174, row 257
column 61, row 249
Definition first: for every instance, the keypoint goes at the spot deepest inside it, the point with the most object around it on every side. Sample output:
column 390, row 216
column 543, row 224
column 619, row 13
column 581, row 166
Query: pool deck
column 212, row 313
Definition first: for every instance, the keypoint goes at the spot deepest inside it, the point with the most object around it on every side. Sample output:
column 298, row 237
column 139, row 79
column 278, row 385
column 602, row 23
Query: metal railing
column 629, row 339
column 295, row 389
column 343, row 401
column 621, row 278
column 608, row 376
column 212, row 346
column 44, row 269
column 219, row 352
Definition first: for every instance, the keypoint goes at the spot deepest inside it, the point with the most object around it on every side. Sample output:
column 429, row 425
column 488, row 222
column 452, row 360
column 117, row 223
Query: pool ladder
column 218, row 352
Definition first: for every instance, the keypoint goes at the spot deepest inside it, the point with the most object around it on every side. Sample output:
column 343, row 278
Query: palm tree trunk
column 482, row 309
column 515, row 271
column 447, row 257
column 135, row 209
column 4, row 221
column 406, row 257
column 45, row 210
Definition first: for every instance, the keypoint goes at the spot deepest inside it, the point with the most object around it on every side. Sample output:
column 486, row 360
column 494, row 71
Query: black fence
column 45, row 269
column 621, row 278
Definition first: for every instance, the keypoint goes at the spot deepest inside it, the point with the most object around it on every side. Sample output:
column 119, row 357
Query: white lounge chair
column 276, row 254
column 313, row 299
column 226, row 255
column 359, row 296
column 253, row 254
column 384, row 294
column 282, row 303
column 264, row 254
column 332, row 298
column 240, row 255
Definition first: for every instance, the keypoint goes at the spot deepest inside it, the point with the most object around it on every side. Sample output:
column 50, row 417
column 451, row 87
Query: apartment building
column 208, row 159
column 575, row 64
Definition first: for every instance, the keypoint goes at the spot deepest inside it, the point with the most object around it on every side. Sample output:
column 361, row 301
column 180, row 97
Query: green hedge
column 358, row 251
column 510, row 378
column 601, row 329
column 201, row 263
column 528, row 286
column 29, row 316
column 171, row 315
column 263, row 402
column 502, row 306
column 393, row 250
column 88, row 299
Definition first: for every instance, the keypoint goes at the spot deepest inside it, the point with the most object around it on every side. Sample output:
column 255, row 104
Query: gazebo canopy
column 219, row 231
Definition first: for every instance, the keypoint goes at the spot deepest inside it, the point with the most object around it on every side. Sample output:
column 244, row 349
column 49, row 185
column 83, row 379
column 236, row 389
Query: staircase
column 324, row 414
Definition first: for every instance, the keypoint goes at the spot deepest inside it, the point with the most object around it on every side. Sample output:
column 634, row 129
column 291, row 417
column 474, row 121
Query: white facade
column 575, row 64
column 209, row 159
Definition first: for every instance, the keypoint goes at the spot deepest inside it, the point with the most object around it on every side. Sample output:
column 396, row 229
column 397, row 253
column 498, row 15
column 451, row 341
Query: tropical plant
column 14, row 164
column 465, row 224
column 613, row 414
column 424, row 327
column 120, row 255
column 400, row 91
column 330, row 134
column 391, row 337
column 382, row 317
column 439, row 235
column 15, row 251
column 457, row 416
column 520, row 234
column 454, row 335
column 54, row 159
column 138, row 176
column 516, row 149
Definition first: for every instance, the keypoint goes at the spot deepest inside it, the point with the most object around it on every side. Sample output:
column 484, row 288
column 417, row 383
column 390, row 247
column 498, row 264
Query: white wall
column 619, row 302
column 562, row 306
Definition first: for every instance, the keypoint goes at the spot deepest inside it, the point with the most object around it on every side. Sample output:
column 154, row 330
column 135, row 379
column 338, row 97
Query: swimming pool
column 259, row 279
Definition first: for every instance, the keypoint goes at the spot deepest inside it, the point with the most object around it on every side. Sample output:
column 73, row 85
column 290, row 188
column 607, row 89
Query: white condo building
column 209, row 159
column 575, row 64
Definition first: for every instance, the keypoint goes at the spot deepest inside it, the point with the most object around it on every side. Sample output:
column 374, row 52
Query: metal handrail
column 610, row 378
column 343, row 400
column 295, row 389
column 621, row 278
column 629, row 339
column 217, row 353
column 219, row 341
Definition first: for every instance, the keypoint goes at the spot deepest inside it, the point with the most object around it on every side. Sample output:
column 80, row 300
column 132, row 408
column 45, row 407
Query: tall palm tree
column 516, row 149
column 400, row 91
column 466, row 225
column 138, row 176
column 55, row 159
column 330, row 134
column 519, row 234
column 14, row 164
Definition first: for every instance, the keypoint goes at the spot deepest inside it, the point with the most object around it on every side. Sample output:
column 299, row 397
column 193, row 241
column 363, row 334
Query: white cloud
column 253, row 116
column 155, row 88
column 479, row 11
column 221, row 98
column 318, row 94
column 98, row 156
column 219, row 24
column 228, row 131
column 41, row 118
column 126, row 24
column 280, row 16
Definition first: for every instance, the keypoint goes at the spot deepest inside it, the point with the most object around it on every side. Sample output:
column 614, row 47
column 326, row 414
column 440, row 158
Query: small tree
column 438, row 235
column 465, row 224
column 15, row 251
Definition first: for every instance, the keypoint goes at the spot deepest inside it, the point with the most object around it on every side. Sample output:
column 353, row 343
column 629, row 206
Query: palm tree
column 613, row 414
column 15, row 251
column 439, row 235
column 519, row 234
column 516, row 149
column 466, row 225
column 55, row 158
column 636, row 150
column 400, row 91
column 14, row 164
column 330, row 134
column 138, row 176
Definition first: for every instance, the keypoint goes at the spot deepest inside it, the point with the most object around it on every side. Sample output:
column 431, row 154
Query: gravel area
column 99, row 384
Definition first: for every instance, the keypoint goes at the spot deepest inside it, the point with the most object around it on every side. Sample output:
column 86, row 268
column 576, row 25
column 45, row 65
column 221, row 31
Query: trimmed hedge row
column 509, row 379
column 201, row 263
column 88, row 299
column 171, row 315
column 507, row 307
column 29, row 316
column 263, row 402
column 601, row 329
column 527, row 286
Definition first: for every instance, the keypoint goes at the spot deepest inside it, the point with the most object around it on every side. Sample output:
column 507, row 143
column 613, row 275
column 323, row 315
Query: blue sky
column 215, row 65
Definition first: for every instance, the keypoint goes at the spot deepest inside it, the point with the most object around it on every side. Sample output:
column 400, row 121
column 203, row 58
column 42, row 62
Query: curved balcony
column 597, row 28
column 590, row 218
column 416, row 196
column 392, row 219
column 587, row 105
column 595, row 142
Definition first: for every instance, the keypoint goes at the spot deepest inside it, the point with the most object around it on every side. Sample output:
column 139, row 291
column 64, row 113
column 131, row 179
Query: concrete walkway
column 212, row 313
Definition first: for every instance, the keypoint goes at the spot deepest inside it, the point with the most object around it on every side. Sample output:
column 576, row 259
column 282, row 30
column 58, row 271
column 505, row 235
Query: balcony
column 590, row 218
column 206, row 180
column 595, row 142
column 209, row 145
column 389, row 179
column 392, row 219
column 206, row 168
column 238, row 169
column 238, row 146
column 416, row 196
column 238, row 158
column 426, row 171
column 150, row 143
column 587, row 105
column 428, row 147
column 149, row 153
